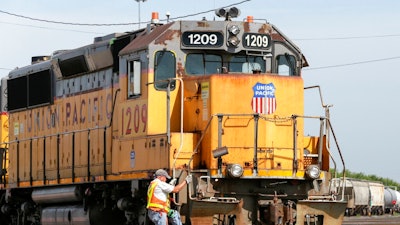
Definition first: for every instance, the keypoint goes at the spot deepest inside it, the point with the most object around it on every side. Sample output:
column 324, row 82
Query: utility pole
column 138, row 1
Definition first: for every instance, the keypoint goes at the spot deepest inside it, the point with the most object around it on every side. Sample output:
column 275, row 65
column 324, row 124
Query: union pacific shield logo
column 264, row 101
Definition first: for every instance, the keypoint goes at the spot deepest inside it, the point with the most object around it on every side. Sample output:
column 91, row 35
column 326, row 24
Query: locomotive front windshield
column 206, row 63
column 246, row 64
column 212, row 47
column 203, row 64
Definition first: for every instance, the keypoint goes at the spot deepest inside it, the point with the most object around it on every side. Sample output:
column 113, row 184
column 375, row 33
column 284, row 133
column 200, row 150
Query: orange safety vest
column 155, row 203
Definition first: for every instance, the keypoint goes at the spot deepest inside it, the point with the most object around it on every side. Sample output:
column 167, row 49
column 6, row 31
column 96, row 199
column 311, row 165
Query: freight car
column 220, row 100
column 392, row 200
column 363, row 197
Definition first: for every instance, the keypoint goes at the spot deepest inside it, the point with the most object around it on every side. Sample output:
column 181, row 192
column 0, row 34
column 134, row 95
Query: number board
column 256, row 40
column 202, row 39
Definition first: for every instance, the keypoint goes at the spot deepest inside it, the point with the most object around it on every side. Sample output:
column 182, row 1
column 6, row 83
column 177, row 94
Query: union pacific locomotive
column 84, row 130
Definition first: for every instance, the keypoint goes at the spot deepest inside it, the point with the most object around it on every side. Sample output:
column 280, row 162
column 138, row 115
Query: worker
column 158, row 204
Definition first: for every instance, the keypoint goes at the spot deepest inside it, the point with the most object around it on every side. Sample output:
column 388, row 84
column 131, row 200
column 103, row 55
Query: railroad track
column 372, row 220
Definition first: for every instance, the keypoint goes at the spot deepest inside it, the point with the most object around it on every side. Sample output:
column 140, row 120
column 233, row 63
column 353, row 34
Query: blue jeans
column 174, row 218
column 160, row 218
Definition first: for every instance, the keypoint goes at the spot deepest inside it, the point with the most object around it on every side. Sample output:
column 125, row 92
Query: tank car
column 221, row 100
column 390, row 198
column 397, row 206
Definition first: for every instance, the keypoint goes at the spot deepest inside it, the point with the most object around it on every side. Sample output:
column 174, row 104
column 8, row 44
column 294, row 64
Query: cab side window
column 286, row 65
column 134, row 79
column 164, row 69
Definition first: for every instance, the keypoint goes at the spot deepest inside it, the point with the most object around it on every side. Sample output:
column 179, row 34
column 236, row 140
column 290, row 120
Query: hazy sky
column 352, row 46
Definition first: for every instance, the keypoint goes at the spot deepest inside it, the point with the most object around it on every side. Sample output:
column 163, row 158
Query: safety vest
column 153, row 202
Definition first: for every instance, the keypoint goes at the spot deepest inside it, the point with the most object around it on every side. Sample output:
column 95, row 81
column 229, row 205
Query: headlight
column 313, row 171
column 235, row 170
column 234, row 29
column 233, row 41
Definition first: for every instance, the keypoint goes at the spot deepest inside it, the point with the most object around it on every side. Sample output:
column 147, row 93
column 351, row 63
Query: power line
column 208, row 11
column 175, row 18
column 346, row 38
column 109, row 24
column 326, row 67
column 352, row 64
column 196, row 14
column 48, row 28
column 1, row 68
column 64, row 23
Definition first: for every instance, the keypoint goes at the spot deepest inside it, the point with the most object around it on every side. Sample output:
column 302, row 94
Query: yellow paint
column 182, row 150
column 138, row 139
column 225, row 94
column 43, row 131
column 133, row 118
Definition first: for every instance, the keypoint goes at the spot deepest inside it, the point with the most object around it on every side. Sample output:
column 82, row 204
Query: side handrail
column 341, row 157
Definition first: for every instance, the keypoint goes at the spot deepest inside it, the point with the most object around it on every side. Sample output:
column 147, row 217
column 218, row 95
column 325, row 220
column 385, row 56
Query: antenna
column 138, row 1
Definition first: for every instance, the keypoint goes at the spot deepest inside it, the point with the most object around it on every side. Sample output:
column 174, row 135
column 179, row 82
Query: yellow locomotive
column 220, row 100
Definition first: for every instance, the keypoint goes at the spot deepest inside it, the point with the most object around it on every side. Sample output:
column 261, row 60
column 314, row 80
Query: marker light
column 154, row 17
column 235, row 170
column 250, row 19
column 313, row 171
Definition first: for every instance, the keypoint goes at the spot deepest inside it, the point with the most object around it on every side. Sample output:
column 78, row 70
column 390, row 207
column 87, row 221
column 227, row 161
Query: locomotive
column 85, row 129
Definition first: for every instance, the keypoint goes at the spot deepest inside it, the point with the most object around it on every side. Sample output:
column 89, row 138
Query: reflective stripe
column 153, row 202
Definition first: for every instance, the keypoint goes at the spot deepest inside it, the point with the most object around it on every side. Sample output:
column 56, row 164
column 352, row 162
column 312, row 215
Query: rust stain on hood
column 144, row 39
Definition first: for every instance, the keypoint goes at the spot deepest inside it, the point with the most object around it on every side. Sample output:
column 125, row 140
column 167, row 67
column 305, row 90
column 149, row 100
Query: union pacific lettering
column 43, row 118
column 96, row 110
column 88, row 110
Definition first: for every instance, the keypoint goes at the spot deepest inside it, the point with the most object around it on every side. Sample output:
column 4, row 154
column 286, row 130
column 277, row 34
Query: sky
column 352, row 47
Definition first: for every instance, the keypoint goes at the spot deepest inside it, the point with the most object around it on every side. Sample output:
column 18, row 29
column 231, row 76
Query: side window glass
column 286, row 65
column 134, row 78
column 164, row 68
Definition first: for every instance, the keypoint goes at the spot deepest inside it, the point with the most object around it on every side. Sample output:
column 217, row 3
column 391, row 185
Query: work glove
column 173, row 182
column 188, row 179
